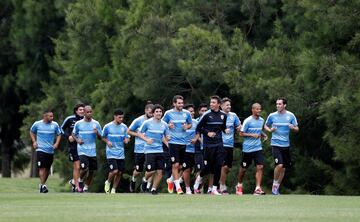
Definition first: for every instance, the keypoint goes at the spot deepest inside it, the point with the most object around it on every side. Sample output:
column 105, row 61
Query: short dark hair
column 157, row 106
column 176, row 97
column 202, row 105
column 77, row 106
column 118, row 112
column 48, row 111
column 225, row 99
column 283, row 100
column 216, row 97
column 187, row 106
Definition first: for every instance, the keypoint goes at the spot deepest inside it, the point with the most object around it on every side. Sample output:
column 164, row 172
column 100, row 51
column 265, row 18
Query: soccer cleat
column 132, row 186
column 113, row 191
column 197, row 191
column 208, row 192
column 224, row 192
column 170, row 185
column 239, row 190
column 73, row 187
column 215, row 193
column 78, row 190
column 107, row 187
column 143, row 186
column 188, row 192
column 275, row 190
column 259, row 191
column 179, row 191
column 154, row 192
column 85, row 189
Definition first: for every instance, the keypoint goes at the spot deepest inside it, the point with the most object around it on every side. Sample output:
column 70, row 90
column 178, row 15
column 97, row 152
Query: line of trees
column 113, row 53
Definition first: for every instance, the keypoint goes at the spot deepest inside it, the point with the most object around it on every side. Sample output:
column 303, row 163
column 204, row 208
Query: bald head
column 256, row 109
column 88, row 112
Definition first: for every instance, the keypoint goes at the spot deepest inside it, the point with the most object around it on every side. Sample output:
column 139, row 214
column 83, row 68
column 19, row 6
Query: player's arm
column 106, row 141
column 196, row 138
column 294, row 128
column 244, row 134
column 57, row 141
column 202, row 129
column 131, row 132
column 146, row 139
column 33, row 140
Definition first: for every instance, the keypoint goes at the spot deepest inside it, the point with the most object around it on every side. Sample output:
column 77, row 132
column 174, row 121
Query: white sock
column 107, row 181
column 152, row 189
column 148, row 185
column 144, row 180
column 177, row 184
column 73, row 181
column 86, row 187
column 257, row 187
column 239, row 184
column 276, row 183
column 181, row 180
column 171, row 178
column 188, row 190
column 222, row 187
column 197, row 183
column 214, row 188
column 113, row 190
column 133, row 179
column 210, row 189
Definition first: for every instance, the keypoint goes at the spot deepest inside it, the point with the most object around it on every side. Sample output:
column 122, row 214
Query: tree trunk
column 6, row 160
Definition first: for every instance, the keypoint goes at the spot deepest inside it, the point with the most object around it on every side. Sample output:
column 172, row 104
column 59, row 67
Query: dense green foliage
column 121, row 53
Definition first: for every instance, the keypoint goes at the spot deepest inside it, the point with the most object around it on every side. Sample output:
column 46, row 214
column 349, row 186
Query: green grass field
column 20, row 201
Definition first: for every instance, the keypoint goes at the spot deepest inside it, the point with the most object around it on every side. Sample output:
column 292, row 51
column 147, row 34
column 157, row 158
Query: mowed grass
column 20, row 201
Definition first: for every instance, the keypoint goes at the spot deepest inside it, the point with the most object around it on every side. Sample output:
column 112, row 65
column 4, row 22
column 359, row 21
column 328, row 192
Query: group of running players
column 173, row 142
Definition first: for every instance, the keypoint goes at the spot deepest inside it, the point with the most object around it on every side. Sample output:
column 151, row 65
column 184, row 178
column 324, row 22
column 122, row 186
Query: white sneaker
column 113, row 191
column 215, row 192
column 189, row 192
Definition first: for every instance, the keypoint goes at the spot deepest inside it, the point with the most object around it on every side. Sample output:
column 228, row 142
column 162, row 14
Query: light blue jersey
column 280, row 137
column 45, row 135
column 252, row 125
column 135, row 126
column 154, row 130
column 191, row 133
column 232, row 122
column 85, row 131
column 178, row 134
column 116, row 134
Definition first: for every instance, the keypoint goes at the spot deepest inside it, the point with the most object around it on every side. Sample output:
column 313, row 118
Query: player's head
column 118, row 116
column 48, row 115
column 226, row 104
column 148, row 109
column 256, row 109
column 178, row 102
column 157, row 111
column 79, row 109
column 215, row 102
column 88, row 112
column 202, row 108
column 281, row 104
column 191, row 109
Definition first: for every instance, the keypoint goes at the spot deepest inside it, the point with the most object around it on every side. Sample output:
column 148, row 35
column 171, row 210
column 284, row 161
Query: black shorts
column 199, row 161
column 73, row 154
column 88, row 163
column 154, row 161
column 228, row 156
column 189, row 161
column 213, row 157
column 44, row 160
column 282, row 156
column 177, row 153
column 248, row 158
column 139, row 162
column 116, row 164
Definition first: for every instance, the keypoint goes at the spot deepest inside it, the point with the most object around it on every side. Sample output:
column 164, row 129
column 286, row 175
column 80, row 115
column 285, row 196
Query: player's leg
column 278, row 170
column 117, row 178
column 225, row 169
column 258, row 157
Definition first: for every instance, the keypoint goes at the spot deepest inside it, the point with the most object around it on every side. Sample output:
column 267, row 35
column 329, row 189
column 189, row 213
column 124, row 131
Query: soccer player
column 67, row 128
column 139, row 146
column 252, row 132
column 43, row 133
column 154, row 132
column 280, row 123
column 232, row 124
column 211, row 126
column 179, row 121
column 189, row 160
column 85, row 133
column 115, row 135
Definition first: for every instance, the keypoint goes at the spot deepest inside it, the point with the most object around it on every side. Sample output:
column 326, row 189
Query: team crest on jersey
column 184, row 114
column 288, row 118
column 122, row 130
column 244, row 164
column 52, row 127
column 205, row 162
column 172, row 159
column 276, row 160
column 184, row 164
column 137, row 167
column 222, row 116
column 83, row 165
column 39, row 163
column 149, row 167
column 111, row 166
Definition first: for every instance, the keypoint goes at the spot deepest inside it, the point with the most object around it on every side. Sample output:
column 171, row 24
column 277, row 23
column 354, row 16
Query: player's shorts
column 44, row 160
column 228, row 156
column 154, row 161
column 213, row 157
column 88, row 163
column 199, row 161
column 177, row 153
column 248, row 158
column 116, row 164
column 73, row 154
column 189, row 161
column 139, row 162
column 282, row 156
